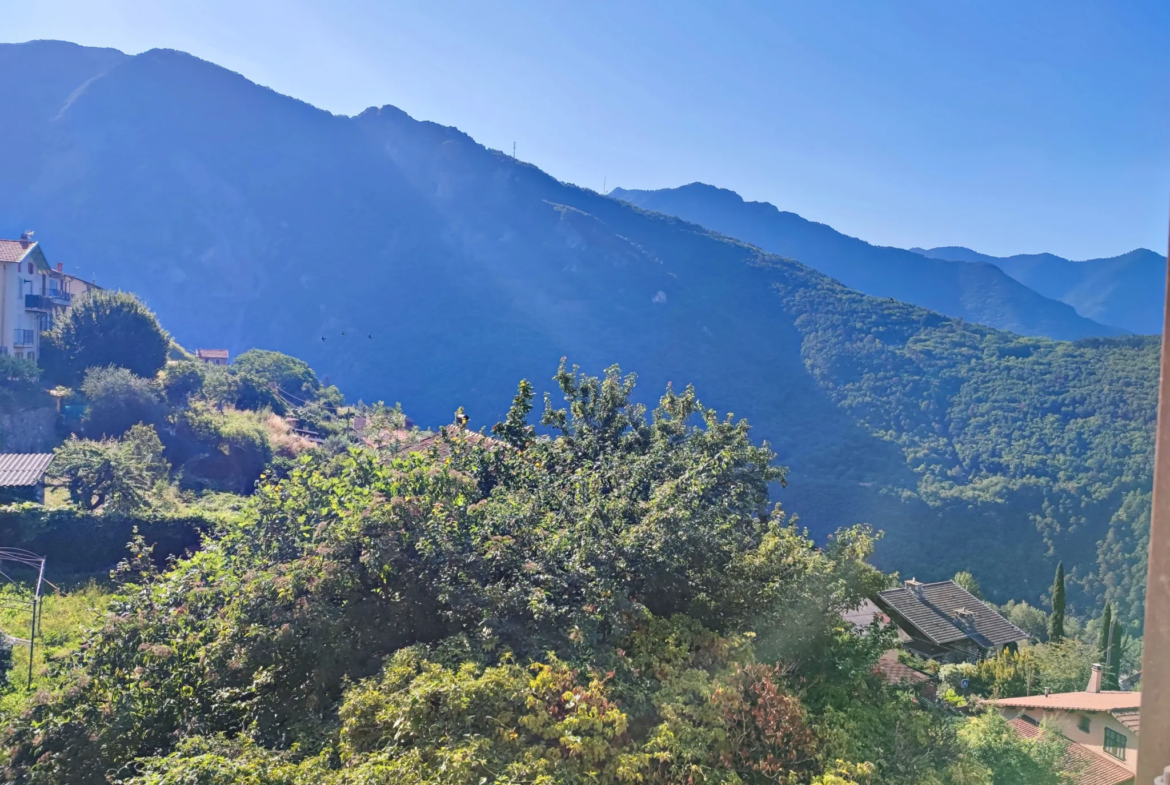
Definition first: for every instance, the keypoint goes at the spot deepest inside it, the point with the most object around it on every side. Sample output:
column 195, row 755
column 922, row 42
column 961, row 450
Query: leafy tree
column 1063, row 666
column 118, row 400
column 221, row 385
column 515, row 429
column 112, row 474
column 291, row 375
column 1028, row 618
column 1010, row 759
column 968, row 582
column 183, row 379
column 104, row 328
column 1056, row 620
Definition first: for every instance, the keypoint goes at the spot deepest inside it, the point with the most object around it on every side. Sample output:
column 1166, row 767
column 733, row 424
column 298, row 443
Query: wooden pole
column 1154, row 746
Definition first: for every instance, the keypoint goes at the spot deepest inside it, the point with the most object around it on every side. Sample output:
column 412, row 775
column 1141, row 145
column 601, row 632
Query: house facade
column 212, row 356
column 33, row 295
column 943, row 621
column 1103, row 723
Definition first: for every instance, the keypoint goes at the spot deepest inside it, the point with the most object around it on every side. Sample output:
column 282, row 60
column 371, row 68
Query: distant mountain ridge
column 979, row 292
column 1126, row 290
column 408, row 263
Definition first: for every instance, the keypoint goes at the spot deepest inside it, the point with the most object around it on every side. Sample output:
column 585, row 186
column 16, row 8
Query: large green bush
column 290, row 374
column 104, row 328
column 117, row 399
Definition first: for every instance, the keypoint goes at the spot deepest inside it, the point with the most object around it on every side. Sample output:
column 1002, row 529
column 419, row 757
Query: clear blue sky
column 1005, row 126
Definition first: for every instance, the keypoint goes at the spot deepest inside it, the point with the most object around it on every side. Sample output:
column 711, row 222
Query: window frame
column 1118, row 745
column 1084, row 724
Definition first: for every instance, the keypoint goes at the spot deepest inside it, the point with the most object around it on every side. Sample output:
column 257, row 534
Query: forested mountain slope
column 1126, row 290
column 977, row 292
column 406, row 262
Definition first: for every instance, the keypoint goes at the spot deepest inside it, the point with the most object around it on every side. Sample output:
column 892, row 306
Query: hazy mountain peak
column 1126, row 290
column 976, row 292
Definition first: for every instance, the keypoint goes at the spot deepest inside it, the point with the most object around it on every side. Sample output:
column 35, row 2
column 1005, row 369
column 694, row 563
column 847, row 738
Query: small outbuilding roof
column 23, row 469
column 211, row 354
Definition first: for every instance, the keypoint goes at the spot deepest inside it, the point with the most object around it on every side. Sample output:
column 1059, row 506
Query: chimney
column 60, row 267
column 27, row 236
column 915, row 586
column 1095, row 679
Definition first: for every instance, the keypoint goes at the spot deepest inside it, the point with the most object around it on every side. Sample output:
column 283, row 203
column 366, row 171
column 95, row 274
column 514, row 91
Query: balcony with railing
column 37, row 302
column 53, row 298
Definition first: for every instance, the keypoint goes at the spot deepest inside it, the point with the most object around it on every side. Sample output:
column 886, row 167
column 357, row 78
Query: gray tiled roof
column 931, row 609
column 23, row 468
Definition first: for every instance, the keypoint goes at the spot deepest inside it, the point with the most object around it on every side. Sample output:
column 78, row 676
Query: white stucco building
column 33, row 295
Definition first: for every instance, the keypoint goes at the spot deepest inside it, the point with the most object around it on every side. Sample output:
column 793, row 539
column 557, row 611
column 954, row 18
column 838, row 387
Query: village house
column 33, row 295
column 212, row 356
column 1101, row 727
column 945, row 622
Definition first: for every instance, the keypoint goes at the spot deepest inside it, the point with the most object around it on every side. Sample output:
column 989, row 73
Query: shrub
column 18, row 369
column 222, row 450
column 118, row 400
column 182, row 380
column 104, row 328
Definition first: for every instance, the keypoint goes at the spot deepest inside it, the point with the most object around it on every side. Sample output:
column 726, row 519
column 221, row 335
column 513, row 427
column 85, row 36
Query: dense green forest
column 1005, row 436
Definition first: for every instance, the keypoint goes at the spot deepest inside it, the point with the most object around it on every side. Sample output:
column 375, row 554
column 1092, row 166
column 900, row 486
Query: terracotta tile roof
column 936, row 611
column 896, row 672
column 23, row 469
column 14, row 250
column 1107, row 700
column 1130, row 718
column 1087, row 768
column 211, row 354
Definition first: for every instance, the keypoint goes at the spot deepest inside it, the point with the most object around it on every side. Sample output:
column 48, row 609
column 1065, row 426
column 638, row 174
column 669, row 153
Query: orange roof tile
column 1087, row 768
column 14, row 250
column 1130, row 718
column 896, row 673
column 1108, row 700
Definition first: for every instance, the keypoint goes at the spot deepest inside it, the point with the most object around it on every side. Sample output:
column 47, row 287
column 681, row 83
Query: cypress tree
column 1056, row 620
column 1114, row 670
column 1104, row 638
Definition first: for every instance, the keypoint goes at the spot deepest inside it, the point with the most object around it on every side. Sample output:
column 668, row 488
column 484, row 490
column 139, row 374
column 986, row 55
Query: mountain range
column 408, row 263
column 1127, row 290
column 1040, row 295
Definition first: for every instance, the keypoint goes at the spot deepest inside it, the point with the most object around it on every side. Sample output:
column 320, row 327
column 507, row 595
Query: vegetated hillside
column 1127, row 290
column 407, row 263
column 977, row 292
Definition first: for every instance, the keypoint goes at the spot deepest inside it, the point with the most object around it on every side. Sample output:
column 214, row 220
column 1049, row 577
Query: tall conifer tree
column 1056, row 620
column 1114, row 669
column 1104, row 638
